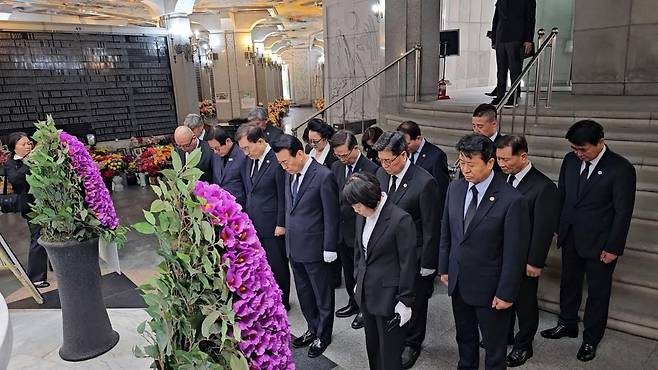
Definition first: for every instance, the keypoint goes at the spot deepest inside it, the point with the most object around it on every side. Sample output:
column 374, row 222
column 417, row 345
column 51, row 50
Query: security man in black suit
column 597, row 192
column 484, row 245
column 544, row 206
column 186, row 141
column 485, row 123
column 265, row 201
column 385, row 250
column 350, row 160
column 414, row 190
column 312, row 217
column 258, row 116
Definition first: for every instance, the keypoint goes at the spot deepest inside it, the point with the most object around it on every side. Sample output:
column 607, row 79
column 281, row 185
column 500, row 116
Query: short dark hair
column 486, row 110
column 391, row 140
column 219, row 134
column 476, row 144
column 251, row 131
column 585, row 131
column 362, row 187
column 344, row 137
column 410, row 128
column 13, row 138
column 371, row 133
column 321, row 127
column 516, row 142
column 289, row 143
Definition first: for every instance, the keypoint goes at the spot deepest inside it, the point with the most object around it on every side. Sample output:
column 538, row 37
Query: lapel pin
column 491, row 199
column 267, row 161
column 404, row 185
column 424, row 155
column 230, row 159
column 600, row 172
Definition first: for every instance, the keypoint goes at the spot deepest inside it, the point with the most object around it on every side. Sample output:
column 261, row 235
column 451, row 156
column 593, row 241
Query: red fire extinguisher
column 443, row 91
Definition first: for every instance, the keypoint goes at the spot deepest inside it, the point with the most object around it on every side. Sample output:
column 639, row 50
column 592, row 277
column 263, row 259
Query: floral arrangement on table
column 215, row 304
column 71, row 201
column 138, row 142
column 207, row 109
column 4, row 154
column 318, row 104
column 111, row 164
column 276, row 111
column 154, row 159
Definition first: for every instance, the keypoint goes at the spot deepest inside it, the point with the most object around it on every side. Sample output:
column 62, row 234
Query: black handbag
column 9, row 203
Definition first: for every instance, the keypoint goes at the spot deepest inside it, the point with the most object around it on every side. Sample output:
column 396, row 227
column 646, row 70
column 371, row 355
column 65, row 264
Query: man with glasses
column 186, row 142
column 414, row 190
column 350, row 160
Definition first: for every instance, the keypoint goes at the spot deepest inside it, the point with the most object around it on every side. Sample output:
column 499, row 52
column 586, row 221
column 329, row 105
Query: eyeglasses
column 315, row 142
column 388, row 162
column 188, row 144
column 344, row 156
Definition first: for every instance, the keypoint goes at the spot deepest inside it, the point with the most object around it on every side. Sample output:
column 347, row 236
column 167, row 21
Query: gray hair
column 392, row 141
column 193, row 121
column 258, row 113
column 344, row 137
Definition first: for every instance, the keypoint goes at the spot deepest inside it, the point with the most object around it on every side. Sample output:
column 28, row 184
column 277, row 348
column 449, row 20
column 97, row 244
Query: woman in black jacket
column 20, row 146
column 319, row 134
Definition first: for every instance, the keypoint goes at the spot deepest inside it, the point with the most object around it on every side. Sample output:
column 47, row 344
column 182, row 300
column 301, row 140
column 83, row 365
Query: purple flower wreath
column 97, row 196
column 258, row 308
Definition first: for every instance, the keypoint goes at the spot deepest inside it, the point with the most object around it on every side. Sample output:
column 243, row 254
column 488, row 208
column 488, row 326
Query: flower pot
column 117, row 183
column 87, row 331
column 141, row 179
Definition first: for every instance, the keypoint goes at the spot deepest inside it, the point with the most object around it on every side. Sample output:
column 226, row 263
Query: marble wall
column 302, row 71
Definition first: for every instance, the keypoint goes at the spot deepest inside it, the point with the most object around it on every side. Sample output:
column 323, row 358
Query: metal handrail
column 543, row 44
column 416, row 49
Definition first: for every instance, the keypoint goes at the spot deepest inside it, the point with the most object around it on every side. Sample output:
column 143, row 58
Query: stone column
column 182, row 65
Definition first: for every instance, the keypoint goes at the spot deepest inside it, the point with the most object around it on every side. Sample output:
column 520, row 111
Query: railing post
column 551, row 66
column 417, row 87
column 343, row 121
column 540, row 38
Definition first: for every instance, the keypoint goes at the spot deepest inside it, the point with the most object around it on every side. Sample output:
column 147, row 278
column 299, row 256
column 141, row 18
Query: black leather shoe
column 493, row 92
column 317, row 348
column 347, row 311
column 587, row 352
column 409, row 357
column 496, row 101
column 560, row 331
column 303, row 341
column 357, row 323
column 518, row 357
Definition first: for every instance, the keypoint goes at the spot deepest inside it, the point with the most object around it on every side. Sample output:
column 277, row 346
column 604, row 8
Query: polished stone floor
column 38, row 332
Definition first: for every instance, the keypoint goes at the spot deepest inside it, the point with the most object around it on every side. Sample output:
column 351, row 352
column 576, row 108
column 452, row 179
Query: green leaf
column 238, row 362
column 144, row 228
column 207, row 323
column 158, row 206
column 176, row 161
column 141, row 327
column 149, row 217
column 208, row 231
column 193, row 159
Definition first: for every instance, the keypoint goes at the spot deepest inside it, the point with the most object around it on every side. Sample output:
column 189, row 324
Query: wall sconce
column 379, row 9
column 249, row 56
column 185, row 49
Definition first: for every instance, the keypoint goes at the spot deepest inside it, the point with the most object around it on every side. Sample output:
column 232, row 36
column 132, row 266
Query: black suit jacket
column 206, row 162
column 16, row 172
column 386, row 274
column 265, row 205
column 272, row 133
column 347, row 215
column 330, row 159
column 489, row 258
column 433, row 160
column 601, row 217
column 312, row 220
column 231, row 176
column 418, row 195
column 514, row 20
column 544, row 206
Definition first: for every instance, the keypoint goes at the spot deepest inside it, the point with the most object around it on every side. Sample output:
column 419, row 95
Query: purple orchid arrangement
column 257, row 304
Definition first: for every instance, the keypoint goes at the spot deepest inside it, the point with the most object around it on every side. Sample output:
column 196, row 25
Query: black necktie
column 349, row 171
column 472, row 208
column 583, row 179
column 393, row 187
column 510, row 179
column 254, row 169
column 295, row 188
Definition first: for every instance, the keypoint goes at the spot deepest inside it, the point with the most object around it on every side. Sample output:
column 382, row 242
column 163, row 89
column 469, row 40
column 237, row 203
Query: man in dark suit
column 186, row 142
column 484, row 244
column 312, row 217
column 195, row 123
column 258, row 116
column 265, row 201
column 414, row 190
column 512, row 33
column 597, row 192
column 350, row 160
column 426, row 155
column 544, row 207
column 228, row 164
column 485, row 122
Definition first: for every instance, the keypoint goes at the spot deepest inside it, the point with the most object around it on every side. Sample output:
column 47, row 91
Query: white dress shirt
column 187, row 154
column 593, row 162
column 323, row 155
column 519, row 176
column 262, row 156
column 301, row 174
column 482, row 188
column 414, row 155
column 353, row 165
column 493, row 138
column 371, row 221
column 399, row 176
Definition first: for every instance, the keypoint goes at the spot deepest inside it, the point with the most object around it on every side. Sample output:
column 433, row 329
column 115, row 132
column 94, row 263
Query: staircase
column 634, row 304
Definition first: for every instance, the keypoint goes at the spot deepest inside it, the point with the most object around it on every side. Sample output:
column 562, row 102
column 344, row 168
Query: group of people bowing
column 393, row 221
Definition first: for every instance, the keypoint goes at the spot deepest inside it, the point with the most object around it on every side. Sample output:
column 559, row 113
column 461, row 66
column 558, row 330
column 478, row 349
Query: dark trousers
column 492, row 323
column 275, row 250
column 384, row 348
column 315, row 292
column 423, row 288
column 599, row 285
column 527, row 311
column 37, row 258
column 346, row 256
column 509, row 57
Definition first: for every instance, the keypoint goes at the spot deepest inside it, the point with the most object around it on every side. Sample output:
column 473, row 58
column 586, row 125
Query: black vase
column 86, row 327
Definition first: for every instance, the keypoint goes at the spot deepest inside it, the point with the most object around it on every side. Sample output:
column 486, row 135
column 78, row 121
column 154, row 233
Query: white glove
column 404, row 312
column 426, row 272
column 330, row 257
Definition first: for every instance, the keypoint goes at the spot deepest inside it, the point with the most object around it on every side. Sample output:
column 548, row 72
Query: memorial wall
column 113, row 86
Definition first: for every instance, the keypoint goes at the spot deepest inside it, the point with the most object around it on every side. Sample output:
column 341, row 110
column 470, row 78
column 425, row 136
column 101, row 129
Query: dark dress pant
column 275, row 250
column 346, row 256
column 599, row 286
column 384, row 348
column 313, row 281
column 509, row 57
column 526, row 310
column 37, row 258
column 423, row 289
